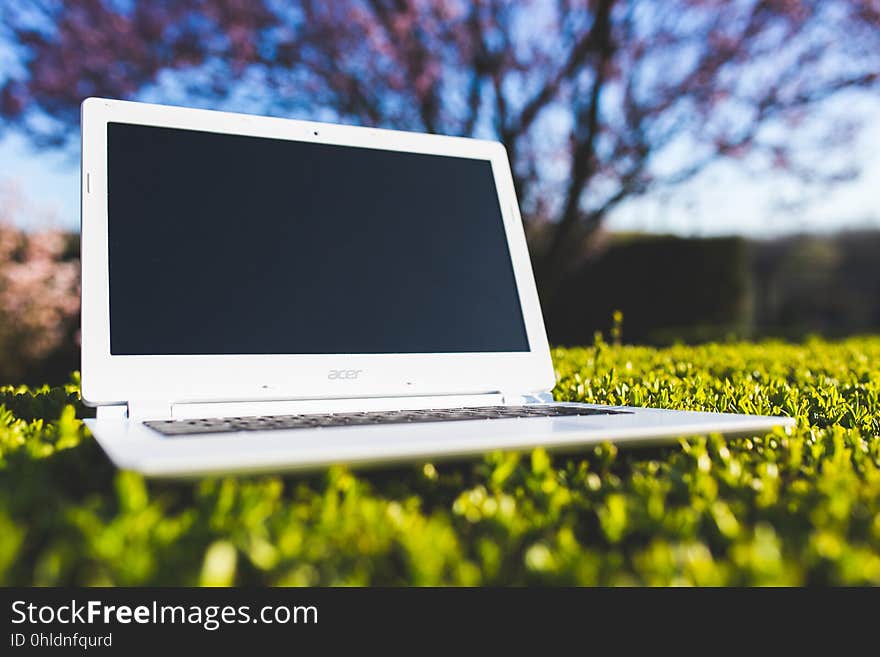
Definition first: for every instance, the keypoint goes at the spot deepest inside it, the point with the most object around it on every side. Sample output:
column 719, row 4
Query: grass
column 770, row 509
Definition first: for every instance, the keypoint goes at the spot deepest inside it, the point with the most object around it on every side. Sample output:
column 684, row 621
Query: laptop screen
column 229, row 244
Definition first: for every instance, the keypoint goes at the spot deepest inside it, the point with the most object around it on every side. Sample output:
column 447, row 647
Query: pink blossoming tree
column 39, row 295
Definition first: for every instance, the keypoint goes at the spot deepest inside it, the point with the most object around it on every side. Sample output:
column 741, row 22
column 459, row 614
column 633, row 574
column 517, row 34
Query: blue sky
column 726, row 199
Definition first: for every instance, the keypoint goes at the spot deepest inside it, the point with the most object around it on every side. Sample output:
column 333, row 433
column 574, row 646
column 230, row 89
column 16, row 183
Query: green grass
column 770, row 509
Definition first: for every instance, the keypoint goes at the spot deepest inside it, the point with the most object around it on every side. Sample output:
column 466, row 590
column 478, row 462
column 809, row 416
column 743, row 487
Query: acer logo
column 344, row 374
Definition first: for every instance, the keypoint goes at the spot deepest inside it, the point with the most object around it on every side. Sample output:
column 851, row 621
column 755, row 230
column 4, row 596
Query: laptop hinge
column 528, row 398
column 149, row 410
column 166, row 410
column 113, row 412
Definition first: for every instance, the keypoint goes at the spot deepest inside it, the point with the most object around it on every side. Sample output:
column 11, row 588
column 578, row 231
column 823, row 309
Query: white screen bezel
column 109, row 379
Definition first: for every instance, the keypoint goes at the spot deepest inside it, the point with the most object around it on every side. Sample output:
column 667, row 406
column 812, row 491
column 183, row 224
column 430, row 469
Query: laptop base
column 134, row 446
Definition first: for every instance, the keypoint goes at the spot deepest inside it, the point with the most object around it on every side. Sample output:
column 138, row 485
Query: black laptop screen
column 228, row 244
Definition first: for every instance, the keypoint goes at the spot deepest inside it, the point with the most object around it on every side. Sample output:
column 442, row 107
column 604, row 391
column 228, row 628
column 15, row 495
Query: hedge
column 668, row 288
column 768, row 509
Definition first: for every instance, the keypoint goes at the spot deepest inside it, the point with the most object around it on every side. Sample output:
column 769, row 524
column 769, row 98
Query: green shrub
column 769, row 509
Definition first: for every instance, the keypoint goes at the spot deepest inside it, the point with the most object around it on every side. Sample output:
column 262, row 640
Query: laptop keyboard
column 312, row 421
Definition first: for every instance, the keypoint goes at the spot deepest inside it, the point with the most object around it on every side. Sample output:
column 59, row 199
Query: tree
column 597, row 101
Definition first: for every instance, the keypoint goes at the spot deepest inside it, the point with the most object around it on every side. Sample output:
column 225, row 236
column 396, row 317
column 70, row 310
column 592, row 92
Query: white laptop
column 262, row 294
